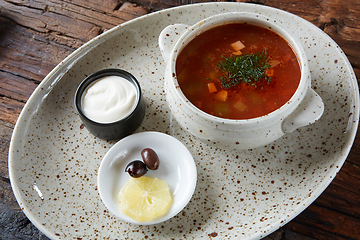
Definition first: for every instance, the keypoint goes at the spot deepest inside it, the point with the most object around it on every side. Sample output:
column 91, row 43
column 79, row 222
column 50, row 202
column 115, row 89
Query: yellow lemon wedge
column 144, row 198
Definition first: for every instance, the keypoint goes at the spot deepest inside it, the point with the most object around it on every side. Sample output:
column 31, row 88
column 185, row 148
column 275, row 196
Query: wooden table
column 36, row 35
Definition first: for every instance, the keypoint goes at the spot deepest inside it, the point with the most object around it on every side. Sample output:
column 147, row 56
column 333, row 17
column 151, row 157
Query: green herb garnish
column 248, row 68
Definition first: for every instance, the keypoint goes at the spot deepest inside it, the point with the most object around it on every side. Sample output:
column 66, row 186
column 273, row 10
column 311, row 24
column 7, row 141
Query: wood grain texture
column 36, row 35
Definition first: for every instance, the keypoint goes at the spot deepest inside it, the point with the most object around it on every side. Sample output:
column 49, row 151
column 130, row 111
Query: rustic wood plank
column 15, row 225
column 354, row 155
column 75, row 20
column 5, row 136
column 7, row 197
column 35, row 35
column 10, row 109
column 340, row 199
column 322, row 224
column 26, row 53
column 15, row 87
column 156, row 5
column 65, row 29
column 349, row 179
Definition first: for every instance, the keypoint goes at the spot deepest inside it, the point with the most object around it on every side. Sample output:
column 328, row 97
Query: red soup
column 238, row 71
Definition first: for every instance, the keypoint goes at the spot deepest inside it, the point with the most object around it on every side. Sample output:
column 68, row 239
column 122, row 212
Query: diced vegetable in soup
column 238, row 71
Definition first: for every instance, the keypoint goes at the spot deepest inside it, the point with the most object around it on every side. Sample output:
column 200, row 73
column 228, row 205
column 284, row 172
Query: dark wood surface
column 35, row 35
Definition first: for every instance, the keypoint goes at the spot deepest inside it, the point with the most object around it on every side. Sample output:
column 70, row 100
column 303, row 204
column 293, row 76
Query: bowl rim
column 94, row 77
column 254, row 19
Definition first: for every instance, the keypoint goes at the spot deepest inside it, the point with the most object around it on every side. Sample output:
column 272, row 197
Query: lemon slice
column 144, row 199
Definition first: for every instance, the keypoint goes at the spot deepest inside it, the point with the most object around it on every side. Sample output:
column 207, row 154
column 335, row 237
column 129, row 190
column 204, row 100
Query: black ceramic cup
column 122, row 127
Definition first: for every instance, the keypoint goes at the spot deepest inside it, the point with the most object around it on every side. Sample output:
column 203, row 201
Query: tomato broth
column 202, row 80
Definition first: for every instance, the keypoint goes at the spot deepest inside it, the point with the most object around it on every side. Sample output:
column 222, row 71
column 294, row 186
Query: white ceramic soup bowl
column 304, row 107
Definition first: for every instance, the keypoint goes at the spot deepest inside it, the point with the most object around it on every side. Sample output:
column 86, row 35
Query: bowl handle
column 168, row 37
column 308, row 112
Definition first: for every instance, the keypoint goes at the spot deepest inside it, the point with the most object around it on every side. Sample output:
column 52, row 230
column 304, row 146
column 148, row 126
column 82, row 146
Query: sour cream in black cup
column 110, row 103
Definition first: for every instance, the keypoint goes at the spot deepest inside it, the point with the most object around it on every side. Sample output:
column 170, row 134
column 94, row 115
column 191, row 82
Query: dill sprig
column 248, row 68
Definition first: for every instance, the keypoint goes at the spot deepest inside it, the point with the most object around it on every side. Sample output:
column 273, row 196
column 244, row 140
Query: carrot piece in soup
column 269, row 72
column 237, row 46
column 238, row 53
column 212, row 87
column 222, row 95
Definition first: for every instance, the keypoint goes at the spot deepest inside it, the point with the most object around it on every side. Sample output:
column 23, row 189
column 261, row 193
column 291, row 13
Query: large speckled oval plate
column 53, row 160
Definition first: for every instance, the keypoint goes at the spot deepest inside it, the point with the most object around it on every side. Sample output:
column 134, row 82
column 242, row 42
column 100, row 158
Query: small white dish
column 177, row 168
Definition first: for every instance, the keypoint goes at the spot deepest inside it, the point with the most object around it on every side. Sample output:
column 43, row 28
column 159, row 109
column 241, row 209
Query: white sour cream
column 109, row 99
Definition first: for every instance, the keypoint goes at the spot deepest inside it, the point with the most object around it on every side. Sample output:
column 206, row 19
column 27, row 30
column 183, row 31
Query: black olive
column 136, row 168
column 150, row 158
